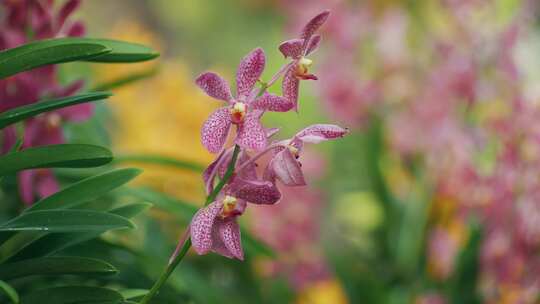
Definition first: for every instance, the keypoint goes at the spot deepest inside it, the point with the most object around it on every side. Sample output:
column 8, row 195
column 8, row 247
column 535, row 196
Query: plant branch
column 177, row 257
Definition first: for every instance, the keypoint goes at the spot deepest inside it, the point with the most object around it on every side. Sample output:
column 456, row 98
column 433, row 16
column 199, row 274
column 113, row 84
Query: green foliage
column 61, row 50
column 32, row 242
column 24, row 112
column 55, row 156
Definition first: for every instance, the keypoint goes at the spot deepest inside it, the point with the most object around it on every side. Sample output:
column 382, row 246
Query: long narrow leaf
column 72, row 295
column 45, row 52
column 55, row 266
column 66, row 221
column 55, row 156
column 160, row 160
column 10, row 292
column 122, row 52
column 53, row 243
column 126, row 80
column 15, row 115
column 86, row 190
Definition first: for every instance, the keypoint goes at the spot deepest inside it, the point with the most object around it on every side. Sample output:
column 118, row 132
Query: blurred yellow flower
column 323, row 292
column 161, row 115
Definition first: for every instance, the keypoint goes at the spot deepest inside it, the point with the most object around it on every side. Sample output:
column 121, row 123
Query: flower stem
column 175, row 260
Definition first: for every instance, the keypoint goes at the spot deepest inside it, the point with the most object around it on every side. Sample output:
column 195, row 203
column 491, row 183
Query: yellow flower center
column 229, row 204
column 303, row 65
column 238, row 112
column 53, row 120
column 294, row 151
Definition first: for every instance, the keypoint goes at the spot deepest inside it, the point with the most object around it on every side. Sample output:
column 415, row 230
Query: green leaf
column 126, row 80
column 73, row 295
column 58, row 156
column 121, row 51
column 10, row 292
column 24, row 112
column 161, row 160
column 66, row 221
column 86, row 190
column 131, row 210
column 133, row 293
column 463, row 283
column 55, row 266
column 44, row 52
column 53, row 243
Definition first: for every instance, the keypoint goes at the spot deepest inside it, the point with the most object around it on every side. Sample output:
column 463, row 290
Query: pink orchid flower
column 244, row 111
column 298, row 49
column 285, row 165
column 214, row 228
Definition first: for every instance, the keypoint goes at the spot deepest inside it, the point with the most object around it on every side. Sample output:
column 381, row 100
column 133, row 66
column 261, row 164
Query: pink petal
column 274, row 103
column 258, row 192
column 251, row 133
column 287, row 169
column 250, row 70
column 217, row 243
column 291, row 48
column 313, row 44
column 290, row 87
column 46, row 183
column 66, row 10
column 271, row 132
column 201, row 227
column 215, row 86
column 76, row 29
column 210, row 172
column 26, row 185
column 314, row 24
column 215, row 130
column 9, row 138
column 320, row 132
column 77, row 113
column 250, row 172
column 229, row 231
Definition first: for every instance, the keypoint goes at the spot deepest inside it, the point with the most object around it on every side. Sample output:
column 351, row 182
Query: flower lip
column 238, row 112
column 229, row 207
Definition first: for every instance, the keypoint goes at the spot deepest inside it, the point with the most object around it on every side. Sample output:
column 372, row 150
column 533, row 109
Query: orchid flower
column 298, row 49
column 285, row 165
column 244, row 111
column 214, row 228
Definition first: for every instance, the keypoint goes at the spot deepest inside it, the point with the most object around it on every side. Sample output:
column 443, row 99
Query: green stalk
column 178, row 258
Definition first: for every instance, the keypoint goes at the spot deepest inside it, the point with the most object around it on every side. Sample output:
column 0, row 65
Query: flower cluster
column 214, row 227
column 24, row 21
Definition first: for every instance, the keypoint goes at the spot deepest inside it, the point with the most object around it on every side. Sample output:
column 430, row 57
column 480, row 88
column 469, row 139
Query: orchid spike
column 244, row 110
column 298, row 49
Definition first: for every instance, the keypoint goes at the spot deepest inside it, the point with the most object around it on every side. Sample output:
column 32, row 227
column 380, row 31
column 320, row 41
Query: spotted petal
column 251, row 133
column 313, row 44
column 202, row 225
column 215, row 86
column 274, row 103
column 215, row 130
column 291, row 48
column 320, row 132
column 313, row 25
column 250, row 70
column 210, row 172
column 290, row 87
column 258, row 192
column 287, row 169
column 229, row 232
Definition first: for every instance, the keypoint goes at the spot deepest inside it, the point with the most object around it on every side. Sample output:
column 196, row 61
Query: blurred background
column 433, row 198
